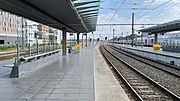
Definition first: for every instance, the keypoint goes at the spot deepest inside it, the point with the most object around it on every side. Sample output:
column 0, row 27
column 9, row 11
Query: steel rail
column 122, row 77
column 145, row 62
column 174, row 96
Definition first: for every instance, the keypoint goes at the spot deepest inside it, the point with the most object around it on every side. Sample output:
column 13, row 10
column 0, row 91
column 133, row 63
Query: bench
column 15, row 66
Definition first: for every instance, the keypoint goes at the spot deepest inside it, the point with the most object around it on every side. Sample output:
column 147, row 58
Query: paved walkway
column 107, row 87
column 70, row 78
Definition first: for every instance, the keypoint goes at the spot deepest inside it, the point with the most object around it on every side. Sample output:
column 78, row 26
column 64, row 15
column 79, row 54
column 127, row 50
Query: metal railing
column 15, row 72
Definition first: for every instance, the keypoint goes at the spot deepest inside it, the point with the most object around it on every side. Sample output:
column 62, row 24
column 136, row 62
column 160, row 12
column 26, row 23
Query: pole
column 77, row 38
column 60, row 40
column 22, row 33
column 86, row 39
column 45, row 45
column 141, row 40
column 18, row 55
column 64, row 41
column 132, row 29
column 123, row 38
column 49, row 44
column 156, row 38
column 93, row 37
column 53, row 42
column 37, row 47
column 82, row 39
column 26, row 34
column 29, row 45
column 44, row 50
column 113, row 35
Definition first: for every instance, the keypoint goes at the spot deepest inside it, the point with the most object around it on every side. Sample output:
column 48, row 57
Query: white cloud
column 168, row 12
column 106, row 31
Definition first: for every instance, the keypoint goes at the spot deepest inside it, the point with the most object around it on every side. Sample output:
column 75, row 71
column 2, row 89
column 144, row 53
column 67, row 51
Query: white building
column 31, row 29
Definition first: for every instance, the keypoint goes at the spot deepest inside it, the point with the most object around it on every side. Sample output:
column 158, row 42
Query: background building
column 30, row 30
column 10, row 28
column 18, row 29
column 43, row 33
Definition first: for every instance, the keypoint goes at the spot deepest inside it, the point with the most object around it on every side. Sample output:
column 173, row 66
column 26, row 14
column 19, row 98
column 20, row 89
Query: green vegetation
column 7, row 48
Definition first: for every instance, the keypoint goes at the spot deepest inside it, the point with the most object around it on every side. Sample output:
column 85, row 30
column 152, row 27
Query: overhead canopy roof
column 76, row 15
column 166, row 27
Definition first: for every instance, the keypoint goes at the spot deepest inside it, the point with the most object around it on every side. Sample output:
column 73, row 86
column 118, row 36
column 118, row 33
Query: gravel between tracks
column 163, row 78
column 147, row 91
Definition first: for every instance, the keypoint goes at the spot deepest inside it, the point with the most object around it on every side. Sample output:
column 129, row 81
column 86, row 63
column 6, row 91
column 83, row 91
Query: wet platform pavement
column 68, row 78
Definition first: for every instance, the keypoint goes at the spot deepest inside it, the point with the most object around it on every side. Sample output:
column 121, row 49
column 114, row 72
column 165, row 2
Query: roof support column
column 78, row 45
column 82, row 39
column 93, row 37
column 86, row 40
column 77, row 38
column 64, row 41
column 156, row 38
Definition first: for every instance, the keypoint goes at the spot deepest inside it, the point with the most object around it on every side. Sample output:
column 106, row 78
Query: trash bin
column 172, row 62
column 69, row 50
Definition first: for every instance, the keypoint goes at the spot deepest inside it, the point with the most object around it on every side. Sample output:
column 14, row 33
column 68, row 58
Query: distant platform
column 154, row 54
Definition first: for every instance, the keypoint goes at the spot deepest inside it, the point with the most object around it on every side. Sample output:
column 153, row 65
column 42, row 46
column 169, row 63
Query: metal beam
column 83, row 8
column 90, row 18
column 86, row 11
column 122, row 24
column 84, row 3
column 73, row 0
column 88, row 14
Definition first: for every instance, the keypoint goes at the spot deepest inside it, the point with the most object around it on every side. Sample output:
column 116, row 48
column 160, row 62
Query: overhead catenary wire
column 139, row 11
column 153, row 9
column 116, row 11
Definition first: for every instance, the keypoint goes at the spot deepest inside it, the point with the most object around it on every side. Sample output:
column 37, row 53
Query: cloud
column 165, row 13
column 107, row 31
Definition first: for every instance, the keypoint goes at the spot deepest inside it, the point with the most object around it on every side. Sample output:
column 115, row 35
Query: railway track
column 168, row 78
column 142, row 86
column 164, row 67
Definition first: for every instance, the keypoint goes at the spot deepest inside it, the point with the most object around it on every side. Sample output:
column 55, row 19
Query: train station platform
column 154, row 54
column 78, row 76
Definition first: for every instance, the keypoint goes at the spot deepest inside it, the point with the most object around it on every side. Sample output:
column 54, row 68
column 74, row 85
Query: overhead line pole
column 132, row 29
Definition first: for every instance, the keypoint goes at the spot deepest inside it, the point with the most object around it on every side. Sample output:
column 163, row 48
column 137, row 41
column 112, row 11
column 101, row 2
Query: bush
column 7, row 47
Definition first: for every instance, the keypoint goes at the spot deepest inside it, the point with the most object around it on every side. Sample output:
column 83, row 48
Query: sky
column 146, row 12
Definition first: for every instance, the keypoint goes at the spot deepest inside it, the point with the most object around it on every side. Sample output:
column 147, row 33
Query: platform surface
column 150, row 49
column 107, row 87
column 68, row 78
